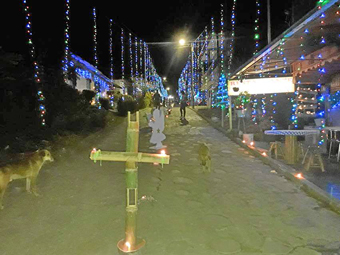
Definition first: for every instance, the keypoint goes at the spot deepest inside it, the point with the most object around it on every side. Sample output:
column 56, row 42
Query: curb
column 287, row 171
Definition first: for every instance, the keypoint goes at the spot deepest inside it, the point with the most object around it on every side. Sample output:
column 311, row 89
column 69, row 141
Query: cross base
column 158, row 147
column 123, row 247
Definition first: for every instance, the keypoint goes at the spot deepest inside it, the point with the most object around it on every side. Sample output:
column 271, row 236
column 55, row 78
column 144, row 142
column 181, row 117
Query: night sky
column 161, row 22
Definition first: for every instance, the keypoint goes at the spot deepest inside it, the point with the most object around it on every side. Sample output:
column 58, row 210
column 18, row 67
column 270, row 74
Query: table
column 291, row 145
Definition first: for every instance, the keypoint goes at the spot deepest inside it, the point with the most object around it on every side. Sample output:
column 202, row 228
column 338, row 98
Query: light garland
column 206, row 54
column 136, row 65
column 131, row 56
column 254, row 110
column 95, row 37
column 146, row 60
column 231, row 45
column 111, row 49
column 212, row 76
column 321, row 98
column 122, row 53
column 257, row 27
column 36, row 68
column 222, row 94
column 273, row 107
column 263, row 106
column 196, row 49
column 141, row 50
column 67, row 38
column 334, row 100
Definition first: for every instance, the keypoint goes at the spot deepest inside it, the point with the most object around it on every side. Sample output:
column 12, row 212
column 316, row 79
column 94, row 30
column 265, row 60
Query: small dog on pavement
column 204, row 157
column 28, row 168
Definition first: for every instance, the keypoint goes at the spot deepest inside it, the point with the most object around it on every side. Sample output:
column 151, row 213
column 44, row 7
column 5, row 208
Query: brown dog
column 29, row 168
column 204, row 157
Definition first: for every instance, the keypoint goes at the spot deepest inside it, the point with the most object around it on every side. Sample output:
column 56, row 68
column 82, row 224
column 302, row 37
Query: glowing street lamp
column 164, row 78
column 182, row 42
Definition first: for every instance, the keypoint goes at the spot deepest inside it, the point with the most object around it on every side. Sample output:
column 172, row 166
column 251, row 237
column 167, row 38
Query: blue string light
column 122, row 53
column 111, row 49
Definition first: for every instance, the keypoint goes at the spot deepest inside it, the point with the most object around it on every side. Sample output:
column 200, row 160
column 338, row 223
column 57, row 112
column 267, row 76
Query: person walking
column 183, row 104
column 157, row 100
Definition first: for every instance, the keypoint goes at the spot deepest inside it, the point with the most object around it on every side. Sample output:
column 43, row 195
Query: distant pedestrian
column 157, row 100
column 183, row 104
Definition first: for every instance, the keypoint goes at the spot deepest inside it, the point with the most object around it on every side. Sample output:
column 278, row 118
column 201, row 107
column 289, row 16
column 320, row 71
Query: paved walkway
column 242, row 207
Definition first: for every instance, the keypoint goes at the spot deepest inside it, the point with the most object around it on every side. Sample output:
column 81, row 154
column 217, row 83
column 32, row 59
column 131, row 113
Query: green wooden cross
column 131, row 243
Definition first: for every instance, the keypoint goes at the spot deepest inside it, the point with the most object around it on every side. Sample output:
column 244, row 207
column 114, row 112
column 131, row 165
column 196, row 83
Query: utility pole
column 269, row 29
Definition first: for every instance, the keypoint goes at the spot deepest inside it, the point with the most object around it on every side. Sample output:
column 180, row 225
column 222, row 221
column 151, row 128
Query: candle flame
column 299, row 176
column 128, row 245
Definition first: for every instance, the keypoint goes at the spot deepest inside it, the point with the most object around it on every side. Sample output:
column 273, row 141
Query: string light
column 273, row 112
column 111, row 49
column 131, row 56
column 141, row 50
column 67, row 38
column 146, row 60
column 320, row 98
column 36, row 68
column 136, row 64
column 122, row 53
column 231, row 45
column 222, row 94
column 257, row 27
column 95, row 37
column 254, row 110
column 263, row 106
column 212, row 76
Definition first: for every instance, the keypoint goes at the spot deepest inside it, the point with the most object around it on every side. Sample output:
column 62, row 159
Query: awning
column 297, row 45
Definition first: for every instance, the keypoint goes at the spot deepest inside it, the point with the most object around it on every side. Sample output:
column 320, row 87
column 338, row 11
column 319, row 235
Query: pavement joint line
column 287, row 171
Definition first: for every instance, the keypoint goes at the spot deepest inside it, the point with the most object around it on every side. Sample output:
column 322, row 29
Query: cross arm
column 130, row 156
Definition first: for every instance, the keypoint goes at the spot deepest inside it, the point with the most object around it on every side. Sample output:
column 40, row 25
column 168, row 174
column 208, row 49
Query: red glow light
column 299, row 176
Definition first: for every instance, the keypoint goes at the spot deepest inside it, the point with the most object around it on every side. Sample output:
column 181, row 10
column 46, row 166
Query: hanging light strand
column 95, row 37
column 111, row 49
column 122, row 53
column 257, row 27
column 36, row 68
column 231, row 45
column 67, row 38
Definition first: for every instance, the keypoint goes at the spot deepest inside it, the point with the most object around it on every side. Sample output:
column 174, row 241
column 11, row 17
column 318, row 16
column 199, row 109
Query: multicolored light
column 95, row 38
column 231, row 45
column 257, row 27
column 67, row 38
column 36, row 68
column 111, row 49
column 122, row 53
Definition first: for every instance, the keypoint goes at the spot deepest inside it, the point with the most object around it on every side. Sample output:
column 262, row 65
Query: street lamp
column 182, row 42
column 164, row 78
column 168, row 88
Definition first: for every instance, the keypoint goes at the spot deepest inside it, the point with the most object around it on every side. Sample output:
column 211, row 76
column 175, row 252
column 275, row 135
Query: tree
column 222, row 92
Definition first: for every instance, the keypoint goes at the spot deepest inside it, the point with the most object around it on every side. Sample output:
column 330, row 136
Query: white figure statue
column 157, row 125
